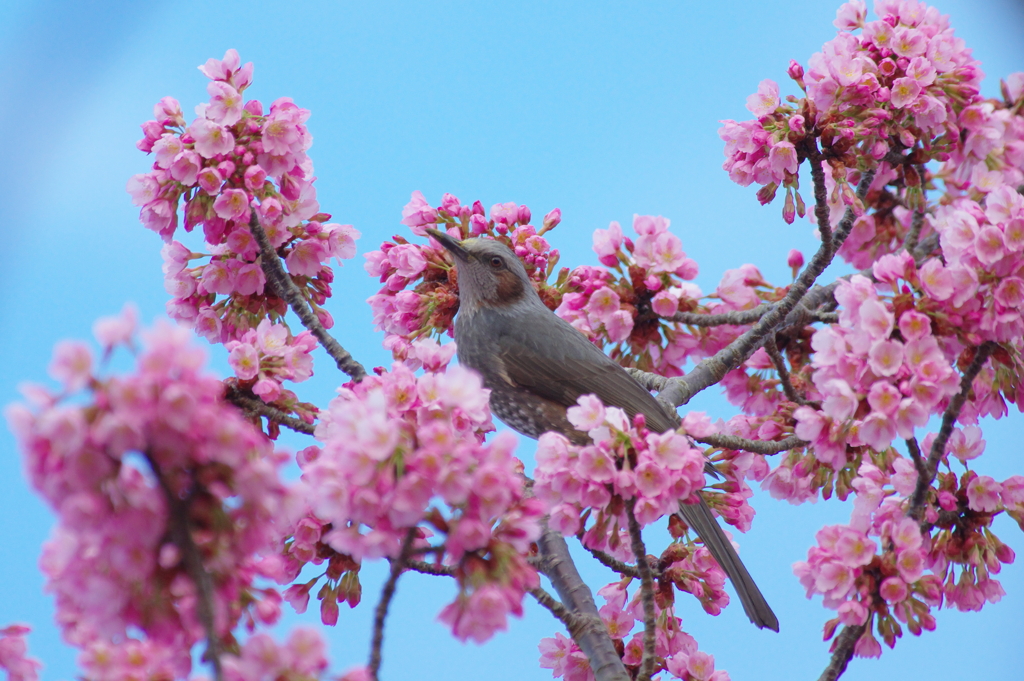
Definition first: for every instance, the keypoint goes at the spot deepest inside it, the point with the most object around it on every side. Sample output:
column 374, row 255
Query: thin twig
column 429, row 568
column 756, row 446
column 915, row 456
column 610, row 561
column 386, row 594
column 949, row 417
column 709, row 372
column 842, row 652
column 572, row 622
column 772, row 349
column 915, row 231
column 646, row 592
column 283, row 286
column 181, row 535
column 252, row 405
column 734, row 318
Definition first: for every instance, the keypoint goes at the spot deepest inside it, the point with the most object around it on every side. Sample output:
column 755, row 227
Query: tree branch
column 646, row 592
column 573, row 623
column 755, row 446
column 678, row 391
column 386, row 594
column 915, row 230
column 283, row 286
column 734, row 318
column 181, row 535
column 591, row 635
column 252, row 405
column 609, row 561
column 842, row 652
column 772, row 348
column 429, row 568
column 949, row 417
column 821, row 209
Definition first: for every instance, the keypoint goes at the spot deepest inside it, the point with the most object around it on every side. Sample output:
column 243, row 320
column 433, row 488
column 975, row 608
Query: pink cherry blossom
column 765, row 100
column 983, row 494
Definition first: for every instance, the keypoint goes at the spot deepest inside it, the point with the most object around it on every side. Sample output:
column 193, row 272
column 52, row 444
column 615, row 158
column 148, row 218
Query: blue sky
column 601, row 109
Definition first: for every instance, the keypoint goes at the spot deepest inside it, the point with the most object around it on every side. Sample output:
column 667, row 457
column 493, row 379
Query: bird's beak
column 450, row 243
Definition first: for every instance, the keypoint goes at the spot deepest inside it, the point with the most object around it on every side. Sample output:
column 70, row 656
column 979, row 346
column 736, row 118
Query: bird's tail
column 699, row 517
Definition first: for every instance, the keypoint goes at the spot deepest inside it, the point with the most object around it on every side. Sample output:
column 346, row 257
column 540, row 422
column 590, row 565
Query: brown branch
column 282, row 284
column 734, row 318
column 678, row 391
column 756, row 446
column 825, row 317
column 429, row 568
column 842, row 652
column 915, row 456
column 772, row 348
column 609, row 561
column 821, row 208
column 254, row 406
column 646, row 592
column 949, row 417
column 181, row 535
column 386, row 594
column 573, row 623
column 915, row 230
column 591, row 635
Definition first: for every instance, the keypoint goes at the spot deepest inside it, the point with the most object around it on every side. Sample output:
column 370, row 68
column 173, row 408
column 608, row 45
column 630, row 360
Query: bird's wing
column 563, row 364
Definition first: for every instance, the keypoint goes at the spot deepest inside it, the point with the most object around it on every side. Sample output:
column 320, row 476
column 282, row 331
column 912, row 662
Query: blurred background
column 601, row 109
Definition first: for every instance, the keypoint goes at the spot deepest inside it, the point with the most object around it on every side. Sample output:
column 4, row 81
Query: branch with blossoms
column 914, row 178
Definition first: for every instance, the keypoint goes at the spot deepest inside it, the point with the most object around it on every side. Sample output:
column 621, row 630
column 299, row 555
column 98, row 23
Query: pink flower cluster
column 874, row 582
column 878, row 376
column 140, row 455
column 429, row 306
column 394, row 445
column 901, row 84
column 233, row 162
column 264, row 357
column 963, row 512
column 133, row 660
column 301, row 658
column 676, row 651
column 863, row 585
column 625, row 461
column 13, row 659
column 992, row 153
column 625, row 306
column 981, row 284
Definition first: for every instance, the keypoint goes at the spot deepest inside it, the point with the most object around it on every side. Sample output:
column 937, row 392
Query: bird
column 537, row 365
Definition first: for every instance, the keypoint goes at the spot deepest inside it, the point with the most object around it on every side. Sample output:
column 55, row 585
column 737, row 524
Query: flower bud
column 552, row 219
column 524, row 215
column 796, row 72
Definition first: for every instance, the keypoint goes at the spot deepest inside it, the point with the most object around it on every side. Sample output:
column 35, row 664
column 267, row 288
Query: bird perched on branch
column 537, row 366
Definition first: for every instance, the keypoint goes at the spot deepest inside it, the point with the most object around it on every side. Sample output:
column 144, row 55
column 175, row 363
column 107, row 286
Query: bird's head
column 490, row 274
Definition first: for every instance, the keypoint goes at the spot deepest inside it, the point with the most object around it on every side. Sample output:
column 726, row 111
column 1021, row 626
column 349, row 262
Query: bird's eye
column 496, row 262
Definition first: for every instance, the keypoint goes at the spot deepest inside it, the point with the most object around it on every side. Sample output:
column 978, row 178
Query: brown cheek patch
column 510, row 288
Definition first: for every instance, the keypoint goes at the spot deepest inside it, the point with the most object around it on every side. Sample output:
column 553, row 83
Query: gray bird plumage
column 537, row 365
